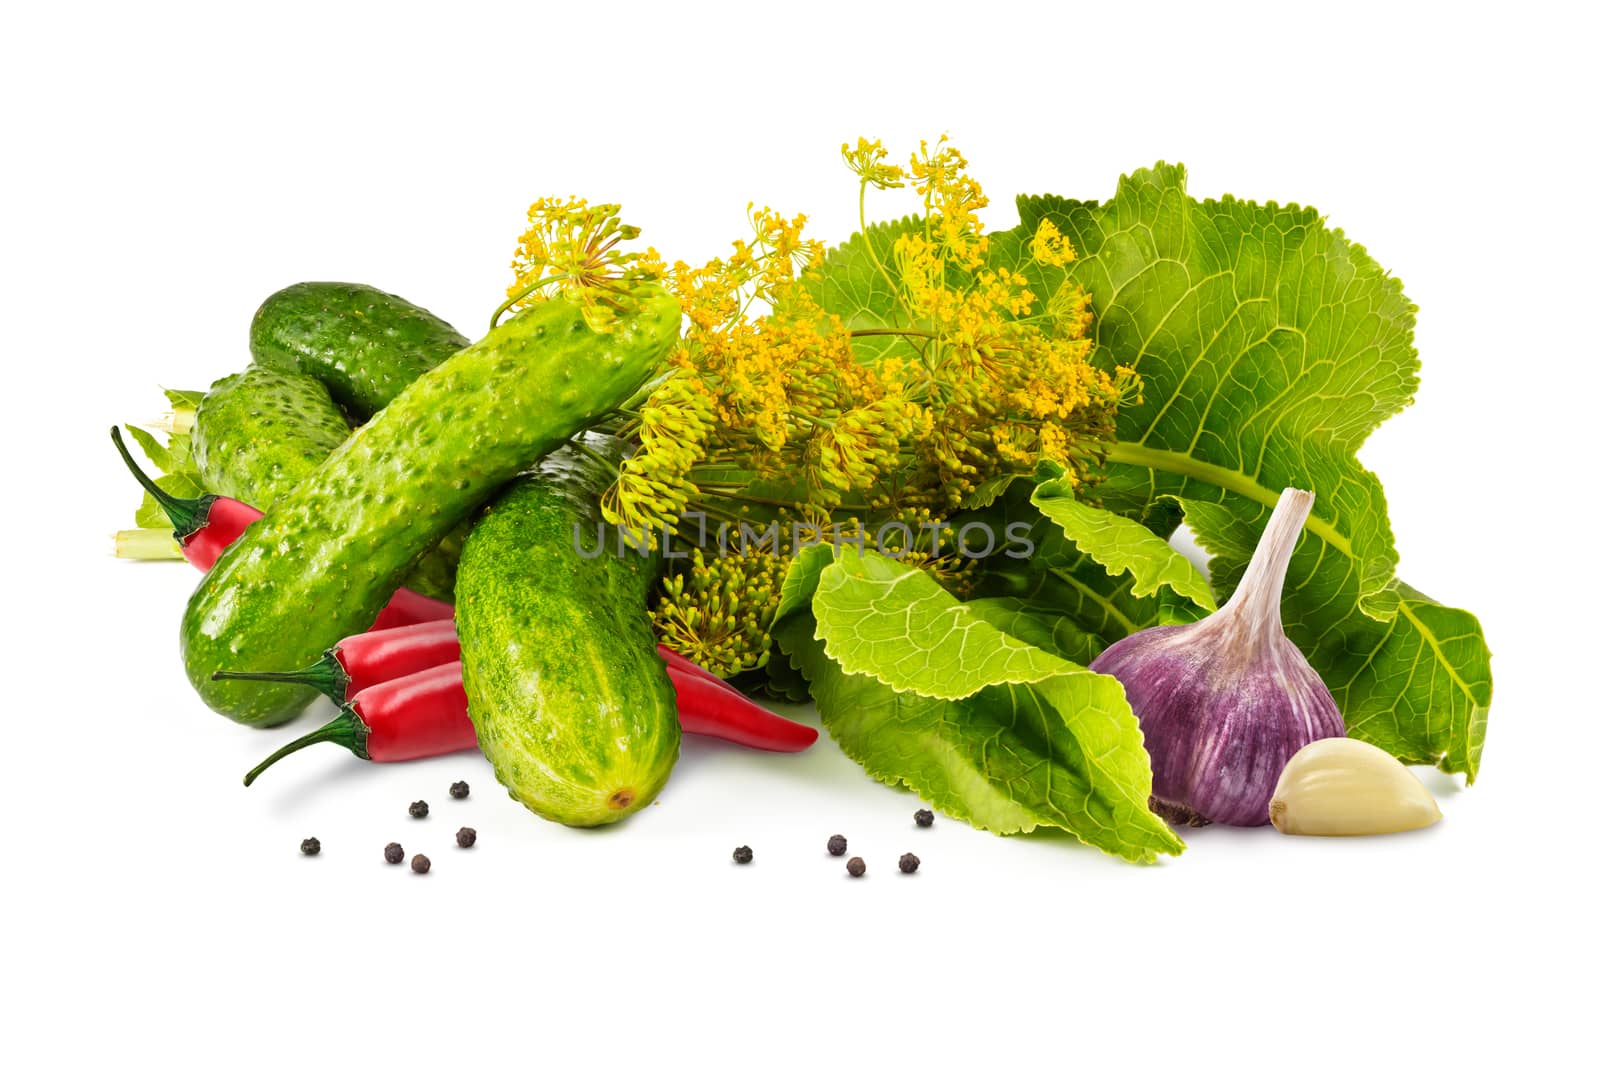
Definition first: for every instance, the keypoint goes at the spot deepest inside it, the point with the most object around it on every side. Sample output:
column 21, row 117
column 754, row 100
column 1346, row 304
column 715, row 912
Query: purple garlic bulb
column 1226, row 702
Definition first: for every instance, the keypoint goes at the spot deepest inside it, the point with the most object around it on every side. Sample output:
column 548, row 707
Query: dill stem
column 594, row 456
column 505, row 305
column 866, row 239
column 907, row 332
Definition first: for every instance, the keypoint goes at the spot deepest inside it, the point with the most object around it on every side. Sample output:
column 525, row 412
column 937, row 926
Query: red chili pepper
column 715, row 709
column 676, row 660
column 406, row 606
column 707, row 705
column 207, row 525
column 203, row 526
column 415, row 716
column 704, row 712
column 355, row 664
column 352, row 665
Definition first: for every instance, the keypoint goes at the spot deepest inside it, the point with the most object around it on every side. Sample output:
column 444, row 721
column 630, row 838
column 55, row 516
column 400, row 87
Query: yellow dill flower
column 781, row 251
column 718, row 612
column 1070, row 311
column 868, row 160
column 951, row 199
column 921, row 269
column 853, row 452
column 1050, row 247
column 1001, row 385
column 787, row 398
column 653, row 486
column 770, row 409
column 709, row 296
column 761, row 268
column 573, row 247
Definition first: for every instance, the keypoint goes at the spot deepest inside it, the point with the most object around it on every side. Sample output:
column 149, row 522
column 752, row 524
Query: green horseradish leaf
column 1040, row 626
column 184, row 401
column 1269, row 347
column 783, row 676
column 1417, row 685
column 989, row 491
column 1061, row 751
column 800, row 581
column 780, row 680
column 1057, row 588
column 1123, row 545
column 152, row 447
column 178, row 474
column 896, row 624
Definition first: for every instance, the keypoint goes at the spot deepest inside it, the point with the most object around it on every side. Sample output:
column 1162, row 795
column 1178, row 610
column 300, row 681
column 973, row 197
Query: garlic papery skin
column 1344, row 787
column 1226, row 702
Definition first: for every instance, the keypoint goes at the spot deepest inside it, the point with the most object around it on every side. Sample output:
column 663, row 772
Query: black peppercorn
column 837, row 845
column 311, row 846
column 419, row 809
column 909, row 862
column 855, row 867
column 466, row 837
column 743, row 855
column 923, row 818
column 394, row 854
column 420, row 864
column 459, row 790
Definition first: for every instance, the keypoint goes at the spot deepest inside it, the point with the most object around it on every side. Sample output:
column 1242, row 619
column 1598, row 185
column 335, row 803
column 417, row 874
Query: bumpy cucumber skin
column 363, row 344
column 322, row 563
column 434, row 574
column 570, row 701
column 258, row 433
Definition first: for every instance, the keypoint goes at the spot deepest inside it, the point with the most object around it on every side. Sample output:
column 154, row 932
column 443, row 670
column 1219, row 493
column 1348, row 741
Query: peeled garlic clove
column 1344, row 787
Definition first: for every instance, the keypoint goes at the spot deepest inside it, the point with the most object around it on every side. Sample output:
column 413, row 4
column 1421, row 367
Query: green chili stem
column 186, row 514
column 325, row 674
column 345, row 730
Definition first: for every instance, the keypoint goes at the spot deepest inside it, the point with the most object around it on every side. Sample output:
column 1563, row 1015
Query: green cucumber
column 363, row 344
column 569, row 698
column 434, row 574
column 322, row 563
column 259, row 433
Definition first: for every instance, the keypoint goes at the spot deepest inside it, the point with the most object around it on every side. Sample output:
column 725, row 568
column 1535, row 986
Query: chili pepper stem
column 346, row 729
column 324, row 674
column 187, row 514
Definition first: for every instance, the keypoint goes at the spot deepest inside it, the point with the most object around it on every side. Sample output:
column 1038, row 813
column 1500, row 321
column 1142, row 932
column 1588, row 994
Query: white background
column 166, row 168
